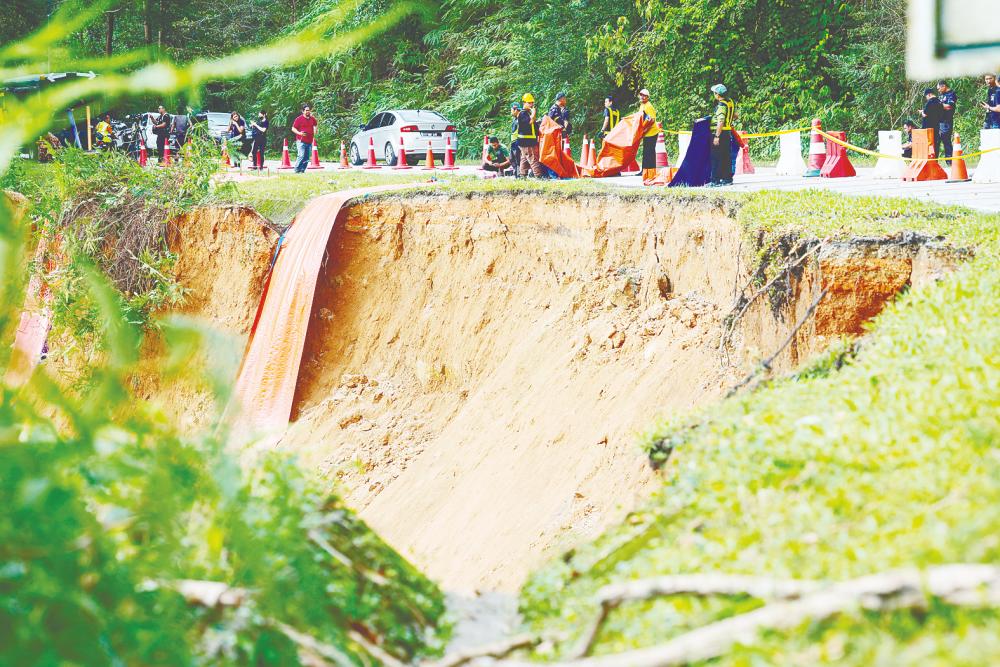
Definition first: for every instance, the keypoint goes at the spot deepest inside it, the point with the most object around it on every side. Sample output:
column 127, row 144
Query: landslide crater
column 477, row 368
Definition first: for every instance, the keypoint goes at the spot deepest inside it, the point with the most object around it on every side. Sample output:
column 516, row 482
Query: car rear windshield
column 421, row 117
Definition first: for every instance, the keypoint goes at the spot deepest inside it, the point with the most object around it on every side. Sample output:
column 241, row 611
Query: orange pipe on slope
column 265, row 388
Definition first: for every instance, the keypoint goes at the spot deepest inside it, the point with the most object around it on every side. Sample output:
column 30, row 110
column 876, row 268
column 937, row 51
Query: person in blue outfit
column 947, row 125
column 992, row 103
column 560, row 114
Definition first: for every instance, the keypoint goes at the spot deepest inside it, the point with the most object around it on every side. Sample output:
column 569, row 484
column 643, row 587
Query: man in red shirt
column 304, row 129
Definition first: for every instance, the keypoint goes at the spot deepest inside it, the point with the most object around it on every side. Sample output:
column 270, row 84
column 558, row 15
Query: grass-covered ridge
column 890, row 461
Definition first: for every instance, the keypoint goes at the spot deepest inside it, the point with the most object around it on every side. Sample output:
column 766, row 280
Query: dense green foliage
column 108, row 511
column 786, row 62
column 123, row 541
column 887, row 461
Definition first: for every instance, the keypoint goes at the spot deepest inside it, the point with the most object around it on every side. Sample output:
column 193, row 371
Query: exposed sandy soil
column 477, row 371
column 223, row 259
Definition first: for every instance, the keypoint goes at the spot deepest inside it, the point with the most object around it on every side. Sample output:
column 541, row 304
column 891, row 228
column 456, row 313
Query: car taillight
column 409, row 128
column 450, row 128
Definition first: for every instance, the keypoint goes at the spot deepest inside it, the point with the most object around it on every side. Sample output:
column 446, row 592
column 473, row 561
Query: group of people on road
column 247, row 138
column 523, row 159
column 938, row 114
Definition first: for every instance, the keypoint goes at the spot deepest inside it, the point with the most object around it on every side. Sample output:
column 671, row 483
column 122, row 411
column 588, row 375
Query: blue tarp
column 696, row 170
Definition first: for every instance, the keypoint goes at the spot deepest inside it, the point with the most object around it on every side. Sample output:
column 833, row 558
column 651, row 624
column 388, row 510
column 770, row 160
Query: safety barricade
column 924, row 166
column 890, row 145
column 837, row 163
column 790, row 162
column 988, row 170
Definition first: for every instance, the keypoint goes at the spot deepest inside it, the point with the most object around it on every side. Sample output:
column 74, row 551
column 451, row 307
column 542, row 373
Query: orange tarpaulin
column 551, row 152
column 265, row 387
column 621, row 145
column 36, row 320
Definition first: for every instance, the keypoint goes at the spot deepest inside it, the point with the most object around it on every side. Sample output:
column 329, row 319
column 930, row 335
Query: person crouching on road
column 560, row 114
column 527, row 138
column 105, row 133
column 304, row 129
column 908, row 127
column 497, row 159
column 515, row 150
column 722, row 119
column 648, row 139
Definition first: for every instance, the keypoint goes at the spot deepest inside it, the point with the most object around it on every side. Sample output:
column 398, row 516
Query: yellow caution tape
column 897, row 157
column 774, row 134
column 849, row 146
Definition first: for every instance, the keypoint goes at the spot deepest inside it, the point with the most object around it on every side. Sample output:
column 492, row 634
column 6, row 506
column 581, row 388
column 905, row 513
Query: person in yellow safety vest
column 722, row 120
column 104, row 132
column 648, row 139
column 611, row 115
column 515, row 150
column 527, row 138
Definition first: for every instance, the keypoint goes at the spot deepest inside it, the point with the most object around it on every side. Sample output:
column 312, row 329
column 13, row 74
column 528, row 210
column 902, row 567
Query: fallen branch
column 969, row 585
column 496, row 650
column 766, row 364
column 702, row 585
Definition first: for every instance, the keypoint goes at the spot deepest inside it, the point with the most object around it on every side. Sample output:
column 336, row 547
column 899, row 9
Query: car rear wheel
column 390, row 155
column 355, row 155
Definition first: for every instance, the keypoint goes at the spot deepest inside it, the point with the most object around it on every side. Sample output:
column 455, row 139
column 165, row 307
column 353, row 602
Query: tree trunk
column 147, row 25
column 109, row 36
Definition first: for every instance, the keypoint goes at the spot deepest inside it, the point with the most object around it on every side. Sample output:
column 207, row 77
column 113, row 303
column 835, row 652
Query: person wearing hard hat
column 515, row 150
column 560, row 114
column 527, row 138
column 722, row 119
column 649, row 138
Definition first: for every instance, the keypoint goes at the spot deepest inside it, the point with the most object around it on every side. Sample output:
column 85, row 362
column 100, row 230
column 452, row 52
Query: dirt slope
column 477, row 370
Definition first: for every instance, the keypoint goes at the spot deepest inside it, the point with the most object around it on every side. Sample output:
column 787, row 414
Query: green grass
column 893, row 460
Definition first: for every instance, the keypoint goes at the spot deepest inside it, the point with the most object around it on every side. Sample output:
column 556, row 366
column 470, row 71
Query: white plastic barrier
column 988, row 170
column 790, row 162
column 890, row 143
column 683, row 141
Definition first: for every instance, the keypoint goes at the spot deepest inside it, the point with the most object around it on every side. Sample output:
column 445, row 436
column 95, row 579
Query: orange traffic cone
column 143, row 156
column 314, row 163
column 286, row 162
column 743, row 163
column 344, row 163
column 430, row 157
column 959, row 172
column 165, row 162
column 584, row 149
column 372, row 164
column 449, row 157
column 591, row 157
column 567, row 149
column 226, row 162
column 401, row 158
column 817, row 150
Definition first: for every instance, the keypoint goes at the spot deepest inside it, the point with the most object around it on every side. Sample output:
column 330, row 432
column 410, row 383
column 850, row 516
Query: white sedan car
column 416, row 128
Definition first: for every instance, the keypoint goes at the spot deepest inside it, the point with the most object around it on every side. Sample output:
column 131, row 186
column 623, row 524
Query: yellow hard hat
column 528, row 97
